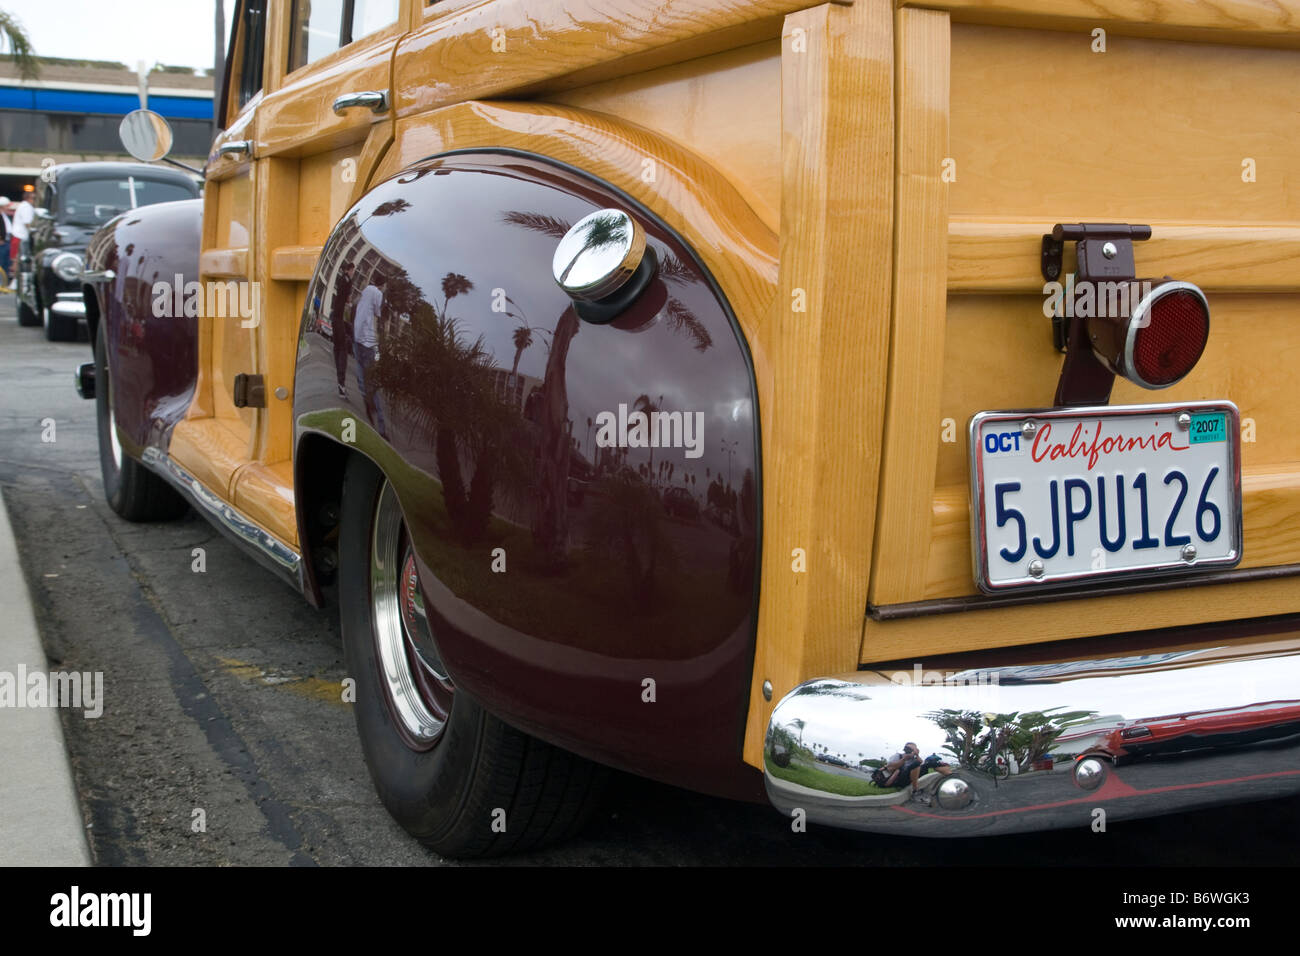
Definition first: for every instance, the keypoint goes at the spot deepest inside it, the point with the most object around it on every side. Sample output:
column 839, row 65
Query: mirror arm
column 196, row 172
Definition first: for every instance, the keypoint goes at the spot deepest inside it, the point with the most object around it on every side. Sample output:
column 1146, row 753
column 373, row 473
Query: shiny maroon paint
column 561, row 592
column 153, row 358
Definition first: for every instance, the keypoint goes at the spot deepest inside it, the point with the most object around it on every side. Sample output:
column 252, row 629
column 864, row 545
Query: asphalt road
column 222, row 697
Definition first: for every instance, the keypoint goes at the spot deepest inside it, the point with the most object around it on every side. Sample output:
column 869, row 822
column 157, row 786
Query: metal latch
column 250, row 391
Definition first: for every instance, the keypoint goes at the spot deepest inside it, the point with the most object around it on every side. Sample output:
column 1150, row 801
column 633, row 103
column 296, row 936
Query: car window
column 92, row 202
column 253, row 25
column 317, row 29
column 371, row 15
column 322, row 26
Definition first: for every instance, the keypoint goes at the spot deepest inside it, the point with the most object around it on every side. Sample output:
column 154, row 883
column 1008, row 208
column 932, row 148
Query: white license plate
column 1090, row 493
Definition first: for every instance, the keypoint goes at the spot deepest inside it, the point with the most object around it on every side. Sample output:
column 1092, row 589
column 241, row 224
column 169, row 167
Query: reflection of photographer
column 908, row 767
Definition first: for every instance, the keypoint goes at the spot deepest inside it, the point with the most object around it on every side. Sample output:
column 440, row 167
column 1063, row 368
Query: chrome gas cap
column 599, row 255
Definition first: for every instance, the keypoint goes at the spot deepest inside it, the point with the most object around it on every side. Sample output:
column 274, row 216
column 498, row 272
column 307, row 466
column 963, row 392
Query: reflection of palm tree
column 453, row 284
column 643, row 404
column 392, row 207
column 550, row 516
column 677, row 316
column 603, row 229
column 799, row 722
column 522, row 337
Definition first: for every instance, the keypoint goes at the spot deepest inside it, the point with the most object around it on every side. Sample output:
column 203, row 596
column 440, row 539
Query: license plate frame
column 1000, row 583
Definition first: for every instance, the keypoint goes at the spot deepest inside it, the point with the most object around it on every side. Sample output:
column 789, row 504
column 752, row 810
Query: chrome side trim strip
column 266, row 548
column 1043, row 746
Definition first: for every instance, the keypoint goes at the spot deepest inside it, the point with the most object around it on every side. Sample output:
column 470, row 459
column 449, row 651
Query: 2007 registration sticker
column 1068, row 495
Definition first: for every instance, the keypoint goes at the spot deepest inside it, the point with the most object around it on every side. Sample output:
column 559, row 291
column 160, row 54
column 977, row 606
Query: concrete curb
column 40, row 818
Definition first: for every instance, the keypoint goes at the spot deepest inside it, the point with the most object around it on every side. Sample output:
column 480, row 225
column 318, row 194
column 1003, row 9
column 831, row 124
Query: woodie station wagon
column 886, row 409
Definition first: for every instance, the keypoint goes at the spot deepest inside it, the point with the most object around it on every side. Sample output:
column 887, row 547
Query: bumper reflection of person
column 907, row 768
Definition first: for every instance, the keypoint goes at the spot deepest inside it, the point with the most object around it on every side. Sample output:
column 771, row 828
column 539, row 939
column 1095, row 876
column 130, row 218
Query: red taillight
column 1166, row 335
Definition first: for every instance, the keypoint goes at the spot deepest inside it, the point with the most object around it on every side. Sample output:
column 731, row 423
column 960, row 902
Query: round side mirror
column 146, row 135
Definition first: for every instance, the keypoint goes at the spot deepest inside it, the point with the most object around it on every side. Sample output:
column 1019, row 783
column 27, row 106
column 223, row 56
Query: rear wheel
column 458, row 779
column 132, row 490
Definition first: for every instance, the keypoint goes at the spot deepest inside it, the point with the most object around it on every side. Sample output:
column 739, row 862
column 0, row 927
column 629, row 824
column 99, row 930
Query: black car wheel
column 27, row 316
column 132, row 490
column 455, row 777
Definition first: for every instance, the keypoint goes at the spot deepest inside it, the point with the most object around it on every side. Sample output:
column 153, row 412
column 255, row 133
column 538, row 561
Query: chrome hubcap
column 414, row 679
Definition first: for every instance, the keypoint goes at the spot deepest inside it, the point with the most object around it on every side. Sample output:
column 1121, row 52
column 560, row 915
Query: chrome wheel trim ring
column 417, row 721
column 114, row 444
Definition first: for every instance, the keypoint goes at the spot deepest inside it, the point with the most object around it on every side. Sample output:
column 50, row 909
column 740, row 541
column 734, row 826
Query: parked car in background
column 72, row 201
column 680, row 503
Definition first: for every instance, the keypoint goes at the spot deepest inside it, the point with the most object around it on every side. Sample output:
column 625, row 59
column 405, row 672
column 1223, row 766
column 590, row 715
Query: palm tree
column 14, row 38
column 798, row 722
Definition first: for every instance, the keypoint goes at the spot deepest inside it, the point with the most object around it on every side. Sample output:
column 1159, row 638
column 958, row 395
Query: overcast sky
column 174, row 32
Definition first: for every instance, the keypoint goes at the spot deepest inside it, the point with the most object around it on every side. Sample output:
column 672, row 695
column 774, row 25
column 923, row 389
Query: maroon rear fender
column 153, row 358
column 595, row 591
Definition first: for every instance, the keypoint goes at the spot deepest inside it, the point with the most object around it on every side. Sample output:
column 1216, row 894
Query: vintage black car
column 72, row 202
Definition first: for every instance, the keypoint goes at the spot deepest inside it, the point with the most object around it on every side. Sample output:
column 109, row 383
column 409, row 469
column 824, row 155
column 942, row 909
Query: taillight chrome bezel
column 1140, row 319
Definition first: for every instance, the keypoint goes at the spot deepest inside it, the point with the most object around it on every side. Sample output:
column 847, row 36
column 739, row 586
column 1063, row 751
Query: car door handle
column 236, row 147
column 375, row 100
column 98, row 276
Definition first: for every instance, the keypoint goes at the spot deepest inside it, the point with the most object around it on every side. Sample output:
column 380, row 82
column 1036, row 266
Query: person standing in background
column 6, row 231
column 21, row 225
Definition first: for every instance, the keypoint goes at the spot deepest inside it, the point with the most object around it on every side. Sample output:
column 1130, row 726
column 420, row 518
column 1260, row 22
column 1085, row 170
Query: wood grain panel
column 998, row 354
column 538, row 42
column 919, row 318
column 1148, row 130
column 294, row 263
column 1003, row 256
column 1270, row 525
column 281, row 308
column 1060, row 620
column 707, row 105
column 212, row 450
column 1241, row 21
column 264, row 493
column 822, row 437
column 687, row 192
column 224, row 263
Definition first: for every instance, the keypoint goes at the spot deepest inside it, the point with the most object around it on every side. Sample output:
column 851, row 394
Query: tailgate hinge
column 1104, row 252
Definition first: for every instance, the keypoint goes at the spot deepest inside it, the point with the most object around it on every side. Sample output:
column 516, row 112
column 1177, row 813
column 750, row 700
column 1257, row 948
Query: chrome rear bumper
column 1132, row 736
